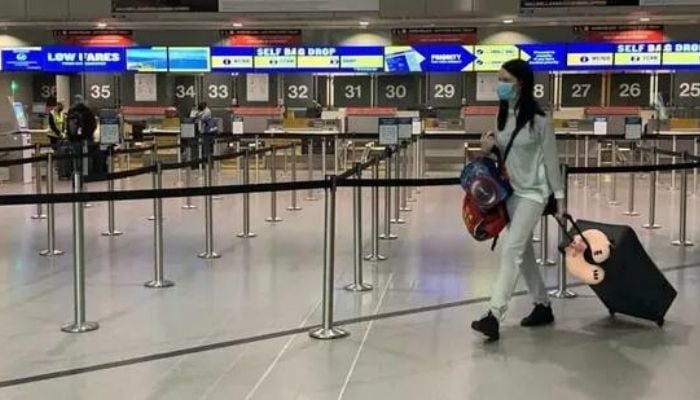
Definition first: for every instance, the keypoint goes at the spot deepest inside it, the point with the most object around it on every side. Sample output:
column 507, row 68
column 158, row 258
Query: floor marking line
column 260, row 338
column 355, row 360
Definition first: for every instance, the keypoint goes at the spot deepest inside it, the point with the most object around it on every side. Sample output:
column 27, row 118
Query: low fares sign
column 79, row 59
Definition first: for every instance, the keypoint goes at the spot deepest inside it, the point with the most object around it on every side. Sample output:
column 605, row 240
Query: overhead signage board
column 262, row 37
column 361, row 59
column 275, row 59
column 590, row 56
column 129, row 6
column 620, row 33
column 189, row 59
column 443, row 58
column 318, row 59
column 22, row 59
column 544, row 57
column 491, row 57
column 641, row 55
column 576, row 3
column 147, row 59
column 418, row 36
column 95, row 37
column 681, row 55
column 232, row 59
column 84, row 59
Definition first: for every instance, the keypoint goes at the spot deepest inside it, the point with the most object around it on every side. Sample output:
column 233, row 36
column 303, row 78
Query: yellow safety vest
column 59, row 119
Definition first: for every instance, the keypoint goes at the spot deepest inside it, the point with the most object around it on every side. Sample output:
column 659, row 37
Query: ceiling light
column 364, row 23
column 237, row 25
column 508, row 21
column 101, row 25
column 644, row 19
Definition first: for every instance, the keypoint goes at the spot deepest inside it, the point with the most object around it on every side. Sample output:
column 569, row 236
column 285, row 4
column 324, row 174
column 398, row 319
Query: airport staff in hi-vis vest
column 57, row 124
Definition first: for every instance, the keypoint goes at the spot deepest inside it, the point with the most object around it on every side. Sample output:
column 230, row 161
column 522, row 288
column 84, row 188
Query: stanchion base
column 536, row 240
column 651, row 227
column 189, row 207
column 358, row 287
column 631, row 213
column 80, row 328
column 398, row 221
column 375, row 258
column 562, row 294
column 390, row 237
column 38, row 216
column 311, row 199
column 679, row 243
column 546, row 263
column 613, row 203
column 273, row 220
column 217, row 197
column 296, row 208
column 406, row 209
column 88, row 205
column 50, row 253
column 328, row 334
column 163, row 284
column 248, row 235
column 112, row 234
column 151, row 218
column 209, row 256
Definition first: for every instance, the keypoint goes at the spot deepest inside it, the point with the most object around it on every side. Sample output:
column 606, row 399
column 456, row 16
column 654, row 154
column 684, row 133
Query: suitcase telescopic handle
column 562, row 223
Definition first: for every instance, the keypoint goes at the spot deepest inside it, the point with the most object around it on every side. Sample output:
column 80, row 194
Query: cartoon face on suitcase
column 585, row 254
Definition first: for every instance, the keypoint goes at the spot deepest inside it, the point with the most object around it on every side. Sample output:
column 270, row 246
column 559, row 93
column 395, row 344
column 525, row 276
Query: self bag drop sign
column 85, row 59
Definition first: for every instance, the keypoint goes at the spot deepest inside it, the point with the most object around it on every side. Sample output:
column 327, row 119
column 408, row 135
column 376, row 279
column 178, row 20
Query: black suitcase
column 633, row 284
column 64, row 166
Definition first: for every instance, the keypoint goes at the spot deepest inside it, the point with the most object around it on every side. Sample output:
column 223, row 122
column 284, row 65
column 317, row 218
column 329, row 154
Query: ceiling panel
column 53, row 9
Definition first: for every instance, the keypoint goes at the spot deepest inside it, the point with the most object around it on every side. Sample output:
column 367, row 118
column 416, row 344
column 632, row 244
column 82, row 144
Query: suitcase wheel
column 612, row 313
column 660, row 322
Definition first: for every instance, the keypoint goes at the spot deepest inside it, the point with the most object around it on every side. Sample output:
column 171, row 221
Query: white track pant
column 518, row 256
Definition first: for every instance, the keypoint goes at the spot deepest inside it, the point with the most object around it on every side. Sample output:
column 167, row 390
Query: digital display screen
column 229, row 59
column 361, row 59
column 22, row 59
column 84, row 59
column 681, row 54
column 147, row 59
column 189, row 59
column 544, row 57
column 451, row 58
column 406, row 58
column 590, row 56
column 275, row 58
column 638, row 55
column 20, row 116
column 318, row 58
column 491, row 57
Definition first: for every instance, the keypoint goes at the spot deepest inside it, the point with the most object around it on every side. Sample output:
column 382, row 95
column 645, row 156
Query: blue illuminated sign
column 544, row 57
column 84, row 59
column 189, row 59
column 232, row 59
column 22, row 59
column 450, row 58
column 590, row 56
column 361, row 59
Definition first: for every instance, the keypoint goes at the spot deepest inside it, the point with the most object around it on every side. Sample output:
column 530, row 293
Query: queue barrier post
column 673, row 161
column 387, row 235
column 159, row 281
column 397, row 189
column 374, row 255
column 294, row 206
column 50, row 212
column 544, row 259
column 631, row 190
column 213, row 147
column 111, row 230
column 37, row 182
column 412, row 170
column 358, row 284
column 613, row 183
column 188, row 180
column 209, row 253
column 683, row 211
column 562, row 291
column 586, row 156
column 599, row 177
column 696, row 143
column 273, row 218
column 246, row 234
column 79, row 324
column 327, row 330
column 653, row 180
column 310, row 169
column 404, row 174
column 86, row 169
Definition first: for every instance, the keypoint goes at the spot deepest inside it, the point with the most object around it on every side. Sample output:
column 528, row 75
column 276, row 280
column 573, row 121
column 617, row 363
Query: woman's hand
column 488, row 142
column 560, row 210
